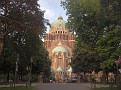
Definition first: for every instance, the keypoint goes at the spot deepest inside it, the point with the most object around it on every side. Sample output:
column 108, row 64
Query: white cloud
column 43, row 2
column 49, row 13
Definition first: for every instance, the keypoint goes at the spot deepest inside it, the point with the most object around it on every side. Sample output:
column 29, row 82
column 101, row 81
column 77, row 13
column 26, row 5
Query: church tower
column 59, row 43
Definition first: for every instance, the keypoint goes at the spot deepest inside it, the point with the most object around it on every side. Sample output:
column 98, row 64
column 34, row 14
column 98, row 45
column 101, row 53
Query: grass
column 18, row 88
column 107, row 88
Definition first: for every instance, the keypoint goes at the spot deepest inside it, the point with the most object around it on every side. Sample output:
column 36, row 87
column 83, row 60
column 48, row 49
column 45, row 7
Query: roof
column 59, row 23
column 59, row 69
column 59, row 49
column 70, row 69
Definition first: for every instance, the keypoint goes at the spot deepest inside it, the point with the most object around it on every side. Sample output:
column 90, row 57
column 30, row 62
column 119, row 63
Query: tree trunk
column 8, row 77
column 1, row 49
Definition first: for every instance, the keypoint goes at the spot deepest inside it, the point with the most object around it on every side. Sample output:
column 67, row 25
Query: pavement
column 61, row 86
column 88, row 85
column 22, row 84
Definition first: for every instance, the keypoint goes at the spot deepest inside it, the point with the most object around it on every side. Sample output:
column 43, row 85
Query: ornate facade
column 59, row 43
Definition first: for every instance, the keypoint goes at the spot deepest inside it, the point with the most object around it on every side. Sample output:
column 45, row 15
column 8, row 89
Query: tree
column 23, row 25
column 97, row 25
column 21, row 16
column 84, row 59
column 109, row 43
column 82, row 15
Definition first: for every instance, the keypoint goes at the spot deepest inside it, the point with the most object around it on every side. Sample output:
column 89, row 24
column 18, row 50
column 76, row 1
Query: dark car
column 72, row 80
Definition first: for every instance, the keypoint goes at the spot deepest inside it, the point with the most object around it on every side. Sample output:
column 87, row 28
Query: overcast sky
column 53, row 9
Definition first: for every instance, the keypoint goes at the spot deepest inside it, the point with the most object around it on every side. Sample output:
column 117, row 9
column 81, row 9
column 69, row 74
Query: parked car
column 72, row 80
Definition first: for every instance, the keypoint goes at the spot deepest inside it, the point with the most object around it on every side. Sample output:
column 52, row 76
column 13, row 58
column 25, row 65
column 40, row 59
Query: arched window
column 51, row 37
column 60, row 37
column 66, row 37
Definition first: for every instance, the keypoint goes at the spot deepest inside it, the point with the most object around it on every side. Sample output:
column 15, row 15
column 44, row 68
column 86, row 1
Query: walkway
column 62, row 86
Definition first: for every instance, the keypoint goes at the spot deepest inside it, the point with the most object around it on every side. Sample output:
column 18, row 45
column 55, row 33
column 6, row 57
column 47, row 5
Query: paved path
column 63, row 86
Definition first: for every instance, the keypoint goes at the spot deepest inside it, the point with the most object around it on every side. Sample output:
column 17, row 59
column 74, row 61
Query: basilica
column 59, row 42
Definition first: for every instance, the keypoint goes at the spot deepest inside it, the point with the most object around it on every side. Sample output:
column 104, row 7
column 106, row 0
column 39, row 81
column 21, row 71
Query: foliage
column 84, row 59
column 107, row 64
column 82, row 18
column 97, row 25
column 109, row 43
column 21, row 16
column 23, row 25
column 42, row 62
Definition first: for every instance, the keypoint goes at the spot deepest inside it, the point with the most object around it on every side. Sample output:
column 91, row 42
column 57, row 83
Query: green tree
column 109, row 43
column 97, row 25
column 21, row 16
column 82, row 17
column 84, row 59
column 23, row 26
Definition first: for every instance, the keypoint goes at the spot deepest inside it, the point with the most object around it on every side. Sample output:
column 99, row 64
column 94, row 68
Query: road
column 62, row 86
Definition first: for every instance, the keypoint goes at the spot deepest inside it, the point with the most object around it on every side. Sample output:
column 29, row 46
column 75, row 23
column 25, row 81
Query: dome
column 59, row 49
column 59, row 69
column 60, row 17
column 70, row 69
column 59, row 23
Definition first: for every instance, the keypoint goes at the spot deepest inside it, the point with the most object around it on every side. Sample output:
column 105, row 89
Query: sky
column 52, row 9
